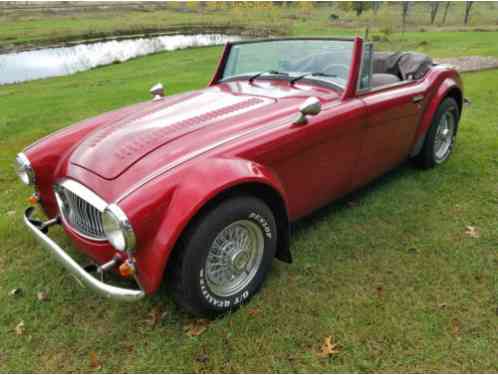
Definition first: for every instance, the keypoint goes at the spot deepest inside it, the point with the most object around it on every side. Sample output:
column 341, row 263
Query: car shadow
column 351, row 200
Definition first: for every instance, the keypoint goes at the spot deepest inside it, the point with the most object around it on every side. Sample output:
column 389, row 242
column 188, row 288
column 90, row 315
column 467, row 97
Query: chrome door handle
column 417, row 98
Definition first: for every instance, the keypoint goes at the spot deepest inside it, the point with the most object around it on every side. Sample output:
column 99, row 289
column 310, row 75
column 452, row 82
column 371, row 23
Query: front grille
column 81, row 215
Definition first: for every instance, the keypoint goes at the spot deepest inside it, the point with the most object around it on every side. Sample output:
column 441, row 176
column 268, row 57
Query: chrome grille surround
column 81, row 209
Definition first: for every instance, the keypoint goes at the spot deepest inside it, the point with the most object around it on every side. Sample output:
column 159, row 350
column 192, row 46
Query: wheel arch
column 163, row 211
column 449, row 88
column 456, row 93
column 261, row 190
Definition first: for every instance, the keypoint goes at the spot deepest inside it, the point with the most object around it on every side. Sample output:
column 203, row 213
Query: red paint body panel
column 162, row 161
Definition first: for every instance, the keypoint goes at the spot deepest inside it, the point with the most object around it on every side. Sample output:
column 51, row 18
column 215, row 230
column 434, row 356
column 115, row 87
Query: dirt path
column 470, row 63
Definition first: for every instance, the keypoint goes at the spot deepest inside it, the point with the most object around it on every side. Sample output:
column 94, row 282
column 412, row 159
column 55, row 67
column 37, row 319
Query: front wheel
column 224, row 256
column 441, row 135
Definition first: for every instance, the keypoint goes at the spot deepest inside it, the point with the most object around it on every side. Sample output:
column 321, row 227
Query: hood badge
column 157, row 91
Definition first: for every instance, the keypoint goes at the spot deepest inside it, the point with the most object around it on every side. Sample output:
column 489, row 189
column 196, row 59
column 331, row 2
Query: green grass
column 392, row 277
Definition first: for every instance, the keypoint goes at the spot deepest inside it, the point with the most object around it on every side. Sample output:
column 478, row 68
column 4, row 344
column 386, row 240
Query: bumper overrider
column 40, row 230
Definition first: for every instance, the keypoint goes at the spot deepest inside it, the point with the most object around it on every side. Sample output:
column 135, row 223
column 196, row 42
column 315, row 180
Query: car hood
column 180, row 124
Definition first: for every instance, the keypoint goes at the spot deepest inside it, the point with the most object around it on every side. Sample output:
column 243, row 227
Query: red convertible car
column 198, row 189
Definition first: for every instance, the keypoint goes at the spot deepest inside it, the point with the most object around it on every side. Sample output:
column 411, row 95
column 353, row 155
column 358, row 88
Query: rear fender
column 448, row 85
column 177, row 199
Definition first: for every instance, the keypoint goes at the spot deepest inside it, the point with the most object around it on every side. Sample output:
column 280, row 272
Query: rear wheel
column 224, row 256
column 441, row 135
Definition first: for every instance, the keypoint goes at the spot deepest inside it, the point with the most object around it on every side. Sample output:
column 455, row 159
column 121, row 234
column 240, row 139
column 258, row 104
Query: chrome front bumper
column 39, row 229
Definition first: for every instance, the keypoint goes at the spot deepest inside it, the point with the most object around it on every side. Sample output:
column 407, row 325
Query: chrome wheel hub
column 444, row 137
column 234, row 258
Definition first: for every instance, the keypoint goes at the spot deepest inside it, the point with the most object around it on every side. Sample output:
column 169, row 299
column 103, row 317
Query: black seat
column 381, row 79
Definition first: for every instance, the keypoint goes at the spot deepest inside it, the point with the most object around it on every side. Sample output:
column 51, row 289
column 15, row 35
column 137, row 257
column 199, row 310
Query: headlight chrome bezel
column 118, row 229
column 24, row 169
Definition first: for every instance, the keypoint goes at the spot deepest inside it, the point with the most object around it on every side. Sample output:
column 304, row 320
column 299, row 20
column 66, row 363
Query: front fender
column 436, row 97
column 49, row 154
column 161, row 210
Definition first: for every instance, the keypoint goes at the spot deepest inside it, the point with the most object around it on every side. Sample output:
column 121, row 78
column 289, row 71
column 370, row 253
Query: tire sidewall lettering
column 263, row 223
column 221, row 302
column 233, row 301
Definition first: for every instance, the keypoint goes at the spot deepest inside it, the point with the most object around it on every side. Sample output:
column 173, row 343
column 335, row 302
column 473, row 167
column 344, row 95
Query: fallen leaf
column 94, row 362
column 196, row 328
column 328, row 348
column 202, row 358
column 42, row 296
column 443, row 305
column 20, row 328
column 472, row 231
column 380, row 291
column 154, row 317
column 15, row 292
column 455, row 327
column 253, row 312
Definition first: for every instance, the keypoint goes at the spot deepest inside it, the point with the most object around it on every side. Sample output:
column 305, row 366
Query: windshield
column 323, row 60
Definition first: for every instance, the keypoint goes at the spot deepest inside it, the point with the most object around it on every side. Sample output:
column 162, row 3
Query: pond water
column 51, row 62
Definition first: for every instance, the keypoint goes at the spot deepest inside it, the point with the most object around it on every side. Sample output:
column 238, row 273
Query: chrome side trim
column 106, row 290
column 286, row 122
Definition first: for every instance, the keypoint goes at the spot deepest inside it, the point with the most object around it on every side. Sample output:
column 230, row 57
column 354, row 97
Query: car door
column 393, row 114
column 392, row 119
column 315, row 161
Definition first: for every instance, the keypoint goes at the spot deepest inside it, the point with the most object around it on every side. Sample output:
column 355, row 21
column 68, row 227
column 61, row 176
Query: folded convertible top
column 405, row 65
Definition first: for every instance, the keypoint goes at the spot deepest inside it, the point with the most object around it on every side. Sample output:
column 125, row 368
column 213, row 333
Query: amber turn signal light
column 33, row 199
column 126, row 269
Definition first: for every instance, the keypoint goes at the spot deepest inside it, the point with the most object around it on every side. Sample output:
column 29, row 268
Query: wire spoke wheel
column 234, row 258
column 445, row 133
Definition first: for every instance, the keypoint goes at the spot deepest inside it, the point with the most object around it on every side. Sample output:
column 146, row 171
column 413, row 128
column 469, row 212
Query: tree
column 434, row 7
column 376, row 6
column 468, row 6
column 405, row 8
column 360, row 6
column 448, row 3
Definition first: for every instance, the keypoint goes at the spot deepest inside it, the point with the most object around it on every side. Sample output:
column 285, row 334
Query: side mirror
column 157, row 91
column 310, row 107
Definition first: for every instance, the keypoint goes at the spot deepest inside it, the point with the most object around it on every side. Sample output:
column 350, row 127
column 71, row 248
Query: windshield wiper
column 257, row 75
column 315, row 74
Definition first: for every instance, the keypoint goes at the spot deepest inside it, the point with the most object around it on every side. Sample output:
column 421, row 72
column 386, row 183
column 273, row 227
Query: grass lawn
column 389, row 273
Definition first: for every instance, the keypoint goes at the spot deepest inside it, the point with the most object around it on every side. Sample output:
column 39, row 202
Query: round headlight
column 118, row 229
column 24, row 169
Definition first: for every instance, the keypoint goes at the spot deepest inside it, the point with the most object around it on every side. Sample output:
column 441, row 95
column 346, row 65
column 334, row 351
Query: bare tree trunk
column 376, row 6
column 448, row 3
column 434, row 8
column 468, row 6
column 404, row 15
